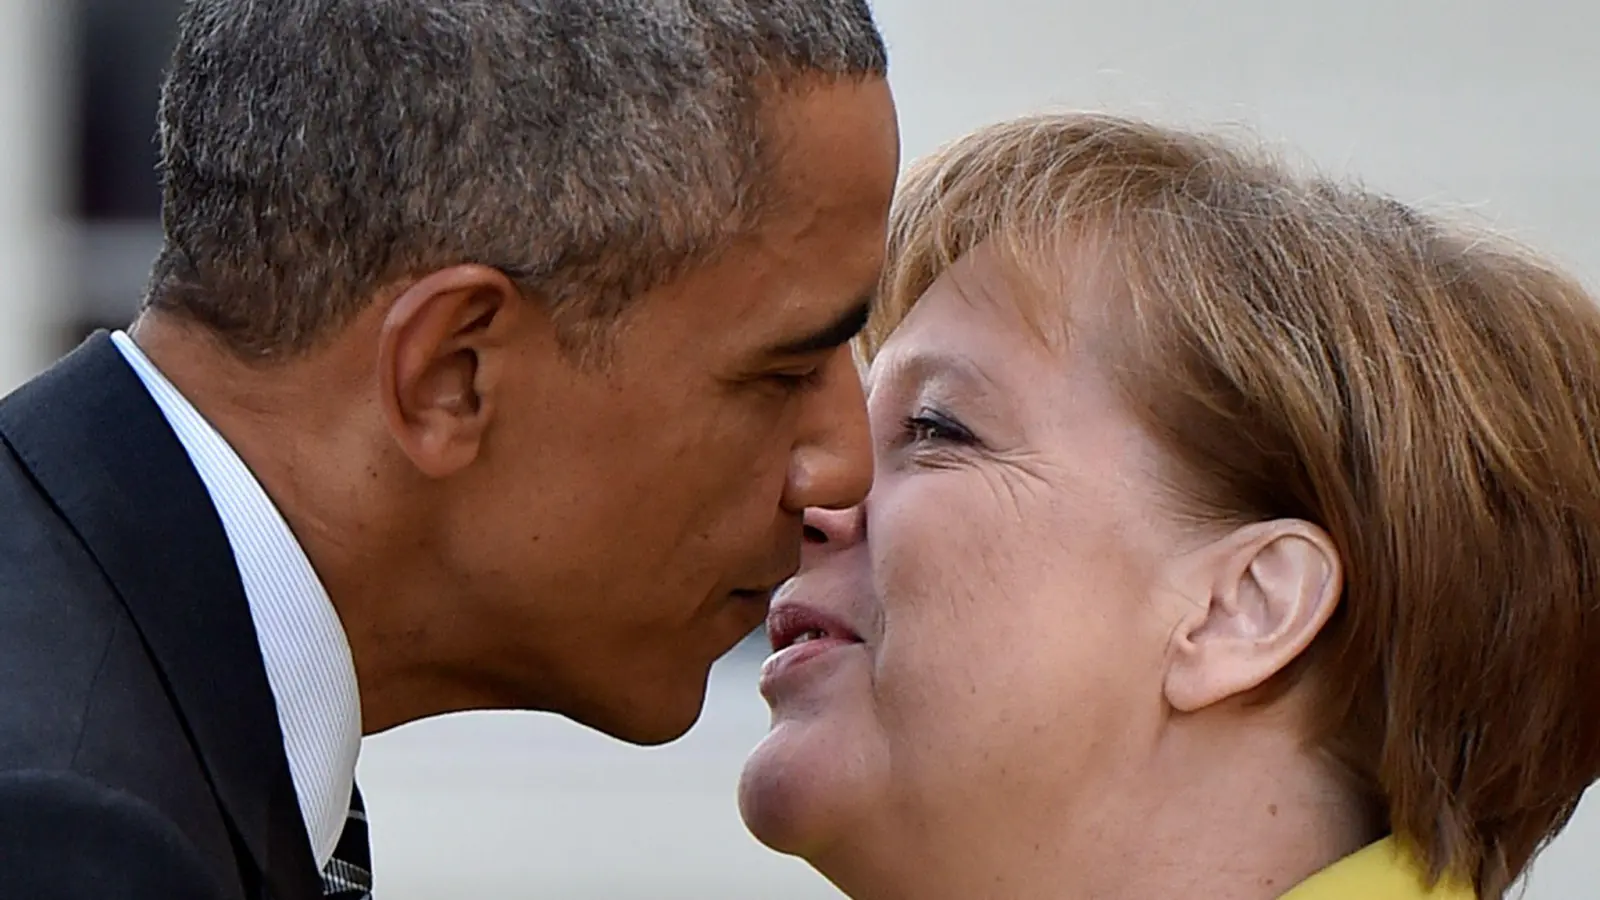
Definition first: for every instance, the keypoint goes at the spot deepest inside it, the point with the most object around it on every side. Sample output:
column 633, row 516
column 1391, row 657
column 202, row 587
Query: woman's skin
column 1030, row 672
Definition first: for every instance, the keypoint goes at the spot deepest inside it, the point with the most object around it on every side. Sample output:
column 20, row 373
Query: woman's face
column 992, row 622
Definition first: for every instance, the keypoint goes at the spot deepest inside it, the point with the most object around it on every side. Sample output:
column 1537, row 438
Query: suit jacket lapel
column 101, row 449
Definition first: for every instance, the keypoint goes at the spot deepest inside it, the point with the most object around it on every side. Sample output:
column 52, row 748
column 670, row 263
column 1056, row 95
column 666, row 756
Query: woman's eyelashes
column 930, row 427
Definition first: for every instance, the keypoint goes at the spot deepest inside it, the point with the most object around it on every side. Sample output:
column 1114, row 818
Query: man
column 494, row 352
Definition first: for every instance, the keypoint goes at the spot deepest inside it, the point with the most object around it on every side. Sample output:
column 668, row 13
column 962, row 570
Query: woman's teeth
column 812, row 635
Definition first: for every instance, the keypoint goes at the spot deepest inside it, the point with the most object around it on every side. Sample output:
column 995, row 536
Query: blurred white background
column 1492, row 107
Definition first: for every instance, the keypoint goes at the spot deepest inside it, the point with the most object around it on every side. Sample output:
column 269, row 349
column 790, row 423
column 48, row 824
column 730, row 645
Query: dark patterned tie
column 348, row 876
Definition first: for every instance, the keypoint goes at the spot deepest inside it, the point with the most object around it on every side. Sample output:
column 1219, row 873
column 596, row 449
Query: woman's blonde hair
column 1428, row 395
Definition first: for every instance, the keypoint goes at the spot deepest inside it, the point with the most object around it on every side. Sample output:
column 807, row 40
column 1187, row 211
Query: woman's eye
column 932, row 427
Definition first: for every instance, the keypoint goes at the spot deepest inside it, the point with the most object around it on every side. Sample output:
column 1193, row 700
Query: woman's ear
column 1259, row 596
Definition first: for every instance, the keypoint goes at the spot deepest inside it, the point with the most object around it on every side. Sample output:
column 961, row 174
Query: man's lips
column 761, row 591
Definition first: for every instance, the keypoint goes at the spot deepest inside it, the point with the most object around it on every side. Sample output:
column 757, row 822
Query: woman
column 1234, row 535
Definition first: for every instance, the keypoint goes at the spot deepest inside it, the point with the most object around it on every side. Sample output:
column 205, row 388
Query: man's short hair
column 313, row 151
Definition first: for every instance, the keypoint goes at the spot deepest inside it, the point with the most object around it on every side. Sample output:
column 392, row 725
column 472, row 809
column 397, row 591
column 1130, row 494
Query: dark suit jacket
column 140, row 754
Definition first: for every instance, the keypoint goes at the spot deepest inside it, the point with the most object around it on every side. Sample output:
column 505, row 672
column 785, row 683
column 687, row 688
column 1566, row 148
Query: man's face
column 631, row 519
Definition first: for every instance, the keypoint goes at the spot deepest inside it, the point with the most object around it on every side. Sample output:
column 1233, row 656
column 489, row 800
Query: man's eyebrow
column 835, row 334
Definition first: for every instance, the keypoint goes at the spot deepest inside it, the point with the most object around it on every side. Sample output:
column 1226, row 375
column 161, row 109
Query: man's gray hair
column 315, row 150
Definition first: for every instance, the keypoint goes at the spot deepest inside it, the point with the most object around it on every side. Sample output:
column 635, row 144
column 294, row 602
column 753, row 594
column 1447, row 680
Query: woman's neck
column 1235, row 814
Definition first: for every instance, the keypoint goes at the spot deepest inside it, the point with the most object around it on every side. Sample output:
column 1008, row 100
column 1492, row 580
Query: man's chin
column 648, row 722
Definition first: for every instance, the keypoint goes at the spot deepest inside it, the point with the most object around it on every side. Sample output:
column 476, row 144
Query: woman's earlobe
column 1271, row 588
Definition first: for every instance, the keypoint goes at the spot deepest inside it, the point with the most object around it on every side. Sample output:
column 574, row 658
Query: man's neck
column 300, row 426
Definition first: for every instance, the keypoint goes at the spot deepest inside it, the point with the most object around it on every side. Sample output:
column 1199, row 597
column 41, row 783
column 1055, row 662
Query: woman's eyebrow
column 923, row 366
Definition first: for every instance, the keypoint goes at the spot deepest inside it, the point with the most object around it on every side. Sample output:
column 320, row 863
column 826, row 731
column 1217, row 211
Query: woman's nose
column 832, row 530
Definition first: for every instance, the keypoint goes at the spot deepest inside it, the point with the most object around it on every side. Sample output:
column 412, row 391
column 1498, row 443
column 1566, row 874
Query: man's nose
column 831, row 465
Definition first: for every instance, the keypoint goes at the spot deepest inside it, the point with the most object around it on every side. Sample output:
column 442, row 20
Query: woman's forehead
column 968, row 329
column 1038, row 296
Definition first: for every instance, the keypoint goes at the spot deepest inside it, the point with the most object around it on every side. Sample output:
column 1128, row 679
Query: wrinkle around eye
column 1021, row 478
column 973, row 448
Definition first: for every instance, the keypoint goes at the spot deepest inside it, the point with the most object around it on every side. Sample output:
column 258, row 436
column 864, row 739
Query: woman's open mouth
column 800, row 634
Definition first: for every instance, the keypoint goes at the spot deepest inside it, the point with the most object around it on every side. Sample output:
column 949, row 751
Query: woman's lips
column 799, row 634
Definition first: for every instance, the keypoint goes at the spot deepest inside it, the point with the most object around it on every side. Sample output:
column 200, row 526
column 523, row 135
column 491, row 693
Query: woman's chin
column 801, row 785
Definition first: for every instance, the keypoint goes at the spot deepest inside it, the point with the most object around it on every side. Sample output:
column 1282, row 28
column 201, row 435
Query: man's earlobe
column 1260, row 596
column 442, row 350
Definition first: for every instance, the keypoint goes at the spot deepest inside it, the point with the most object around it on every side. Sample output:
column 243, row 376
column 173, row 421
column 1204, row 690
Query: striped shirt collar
column 303, row 644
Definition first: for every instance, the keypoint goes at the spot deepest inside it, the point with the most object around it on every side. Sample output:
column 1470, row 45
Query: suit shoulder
column 58, row 620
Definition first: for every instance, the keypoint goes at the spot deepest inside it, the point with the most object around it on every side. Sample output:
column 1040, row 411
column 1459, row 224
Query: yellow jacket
column 1378, row 872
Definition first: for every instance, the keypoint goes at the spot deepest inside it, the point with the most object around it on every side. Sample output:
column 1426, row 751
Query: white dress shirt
column 303, row 644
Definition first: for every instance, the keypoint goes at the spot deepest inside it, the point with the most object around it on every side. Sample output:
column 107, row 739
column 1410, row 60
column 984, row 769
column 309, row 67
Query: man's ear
column 1259, row 596
column 442, row 350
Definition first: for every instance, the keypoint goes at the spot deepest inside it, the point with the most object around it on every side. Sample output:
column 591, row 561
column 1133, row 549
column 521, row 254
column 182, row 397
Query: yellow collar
column 1380, row 871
